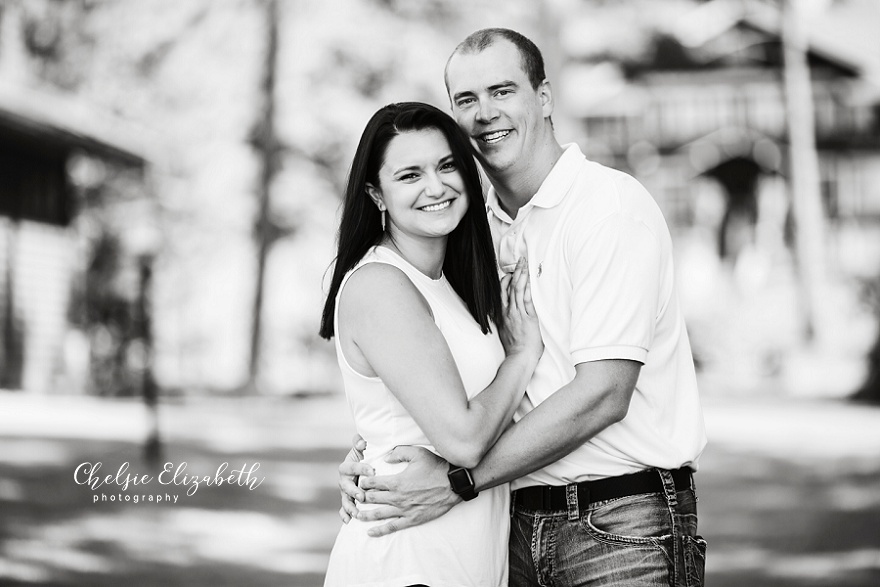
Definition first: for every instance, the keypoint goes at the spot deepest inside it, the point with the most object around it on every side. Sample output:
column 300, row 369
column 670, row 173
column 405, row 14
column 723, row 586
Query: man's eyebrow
column 492, row 88
column 504, row 84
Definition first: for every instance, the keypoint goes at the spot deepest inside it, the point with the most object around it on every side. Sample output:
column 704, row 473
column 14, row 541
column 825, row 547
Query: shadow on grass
column 769, row 521
column 52, row 532
column 773, row 523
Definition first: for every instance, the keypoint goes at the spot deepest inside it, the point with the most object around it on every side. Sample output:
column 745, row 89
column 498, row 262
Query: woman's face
column 420, row 185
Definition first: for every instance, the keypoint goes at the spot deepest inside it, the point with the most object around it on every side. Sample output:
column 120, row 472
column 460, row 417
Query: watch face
column 460, row 479
column 462, row 482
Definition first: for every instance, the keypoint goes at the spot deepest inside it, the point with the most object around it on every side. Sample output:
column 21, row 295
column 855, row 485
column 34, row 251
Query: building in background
column 52, row 148
column 697, row 112
column 40, row 251
column 702, row 110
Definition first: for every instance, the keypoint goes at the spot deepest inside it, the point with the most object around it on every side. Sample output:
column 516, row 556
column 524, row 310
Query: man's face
column 495, row 104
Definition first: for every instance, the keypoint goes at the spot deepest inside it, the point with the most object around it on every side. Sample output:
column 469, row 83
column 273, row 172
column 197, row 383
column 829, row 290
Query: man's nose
column 486, row 111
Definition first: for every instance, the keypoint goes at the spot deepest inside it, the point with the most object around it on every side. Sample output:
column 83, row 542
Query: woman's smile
column 436, row 207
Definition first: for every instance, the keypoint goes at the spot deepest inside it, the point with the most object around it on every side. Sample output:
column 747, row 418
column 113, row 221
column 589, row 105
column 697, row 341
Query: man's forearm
column 555, row 428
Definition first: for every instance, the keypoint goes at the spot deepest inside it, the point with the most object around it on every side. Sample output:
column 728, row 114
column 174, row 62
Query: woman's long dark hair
column 469, row 264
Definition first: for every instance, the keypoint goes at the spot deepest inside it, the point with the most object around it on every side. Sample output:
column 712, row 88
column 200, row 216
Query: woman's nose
column 434, row 186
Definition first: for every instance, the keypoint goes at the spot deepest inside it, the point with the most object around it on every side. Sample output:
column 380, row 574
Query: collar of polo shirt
column 552, row 190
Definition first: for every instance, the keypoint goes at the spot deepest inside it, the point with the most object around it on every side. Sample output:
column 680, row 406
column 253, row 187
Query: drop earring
column 383, row 220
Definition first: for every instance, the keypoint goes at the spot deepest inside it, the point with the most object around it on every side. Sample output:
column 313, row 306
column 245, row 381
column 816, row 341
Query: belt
column 553, row 497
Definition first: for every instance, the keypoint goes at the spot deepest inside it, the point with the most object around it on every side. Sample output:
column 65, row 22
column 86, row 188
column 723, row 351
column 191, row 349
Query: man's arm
column 596, row 398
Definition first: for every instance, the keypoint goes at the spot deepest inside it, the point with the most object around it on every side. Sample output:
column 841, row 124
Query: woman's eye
column 448, row 166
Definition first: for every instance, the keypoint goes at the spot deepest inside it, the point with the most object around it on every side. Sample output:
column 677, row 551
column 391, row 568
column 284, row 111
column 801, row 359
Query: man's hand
column 349, row 471
column 418, row 494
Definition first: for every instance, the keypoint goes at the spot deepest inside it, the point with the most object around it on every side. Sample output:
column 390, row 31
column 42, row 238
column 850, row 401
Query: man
column 600, row 457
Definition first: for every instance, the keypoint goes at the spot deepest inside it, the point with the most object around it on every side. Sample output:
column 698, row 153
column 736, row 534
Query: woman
column 414, row 305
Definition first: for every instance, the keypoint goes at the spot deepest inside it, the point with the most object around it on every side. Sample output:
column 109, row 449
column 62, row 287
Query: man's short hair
column 532, row 61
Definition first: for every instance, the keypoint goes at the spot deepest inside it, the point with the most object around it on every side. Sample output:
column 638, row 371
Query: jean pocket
column 694, row 551
column 636, row 520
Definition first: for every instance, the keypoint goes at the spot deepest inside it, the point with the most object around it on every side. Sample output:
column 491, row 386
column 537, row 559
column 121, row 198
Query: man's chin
column 494, row 163
column 484, row 152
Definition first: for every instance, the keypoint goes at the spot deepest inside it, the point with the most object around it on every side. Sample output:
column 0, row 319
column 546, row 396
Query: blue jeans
column 642, row 540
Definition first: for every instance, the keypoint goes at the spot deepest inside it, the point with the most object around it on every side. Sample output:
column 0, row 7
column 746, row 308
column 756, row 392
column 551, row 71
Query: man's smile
column 490, row 138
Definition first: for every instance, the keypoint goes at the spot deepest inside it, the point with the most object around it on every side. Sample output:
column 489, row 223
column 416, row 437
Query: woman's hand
column 520, row 332
column 350, row 470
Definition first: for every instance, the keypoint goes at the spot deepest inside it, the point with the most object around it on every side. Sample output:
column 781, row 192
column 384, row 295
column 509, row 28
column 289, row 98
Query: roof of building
column 63, row 123
column 713, row 19
column 608, row 47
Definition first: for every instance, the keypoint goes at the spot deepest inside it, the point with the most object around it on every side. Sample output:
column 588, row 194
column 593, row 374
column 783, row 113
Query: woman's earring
column 383, row 220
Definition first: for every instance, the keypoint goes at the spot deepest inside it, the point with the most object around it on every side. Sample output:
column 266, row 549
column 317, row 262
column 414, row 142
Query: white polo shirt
column 600, row 263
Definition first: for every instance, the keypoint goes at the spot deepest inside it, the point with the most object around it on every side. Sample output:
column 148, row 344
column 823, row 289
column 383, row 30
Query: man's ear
column 545, row 94
column 375, row 195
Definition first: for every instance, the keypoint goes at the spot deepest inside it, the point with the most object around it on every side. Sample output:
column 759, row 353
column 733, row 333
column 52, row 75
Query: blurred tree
column 264, row 139
column 870, row 390
column 107, row 315
column 804, row 165
column 149, row 389
column 13, row 334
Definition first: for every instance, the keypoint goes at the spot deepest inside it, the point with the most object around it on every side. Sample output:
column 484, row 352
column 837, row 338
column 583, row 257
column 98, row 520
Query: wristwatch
column 462, row 482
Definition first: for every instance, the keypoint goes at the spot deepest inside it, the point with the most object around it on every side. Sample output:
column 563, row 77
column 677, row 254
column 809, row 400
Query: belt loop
column 571, row 500
column 668, row 487
column 672, row 504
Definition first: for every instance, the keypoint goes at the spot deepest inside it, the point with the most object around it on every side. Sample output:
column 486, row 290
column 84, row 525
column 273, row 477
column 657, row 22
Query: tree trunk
column 870, row 390
column 265, row 141
column 803, row 168
column 12, row 347
column 149, row 389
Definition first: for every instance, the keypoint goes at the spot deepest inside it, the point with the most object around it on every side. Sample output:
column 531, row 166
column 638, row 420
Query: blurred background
column 170, row 181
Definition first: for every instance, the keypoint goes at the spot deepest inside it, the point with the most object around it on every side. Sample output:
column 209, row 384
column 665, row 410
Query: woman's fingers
column 528, row 304
column 505, row 283
column 511, row 287
column 520, row 286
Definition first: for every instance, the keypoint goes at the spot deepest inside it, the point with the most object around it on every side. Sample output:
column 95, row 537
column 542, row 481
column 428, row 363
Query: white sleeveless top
column 466, row 546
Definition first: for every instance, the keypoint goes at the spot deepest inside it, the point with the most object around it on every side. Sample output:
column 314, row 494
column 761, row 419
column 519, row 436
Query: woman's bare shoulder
column 381, row 288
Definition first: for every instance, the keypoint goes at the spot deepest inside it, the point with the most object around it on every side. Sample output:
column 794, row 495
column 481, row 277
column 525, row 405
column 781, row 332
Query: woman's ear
column 375, row 195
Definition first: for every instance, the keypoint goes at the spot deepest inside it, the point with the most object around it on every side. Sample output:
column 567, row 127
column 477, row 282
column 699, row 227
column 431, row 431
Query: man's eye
column 465, row 102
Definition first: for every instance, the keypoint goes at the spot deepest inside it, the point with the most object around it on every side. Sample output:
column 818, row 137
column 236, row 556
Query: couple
column 582, row 343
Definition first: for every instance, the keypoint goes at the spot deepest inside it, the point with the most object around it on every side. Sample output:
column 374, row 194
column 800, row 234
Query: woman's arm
column 391, row 324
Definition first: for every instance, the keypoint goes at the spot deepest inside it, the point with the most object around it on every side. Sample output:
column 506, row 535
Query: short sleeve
column 615, row 270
